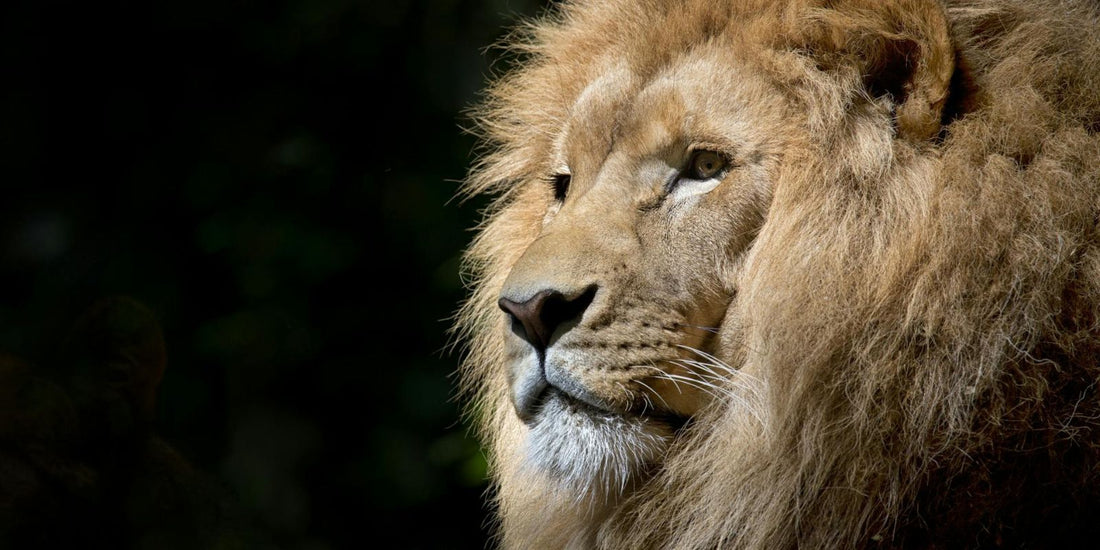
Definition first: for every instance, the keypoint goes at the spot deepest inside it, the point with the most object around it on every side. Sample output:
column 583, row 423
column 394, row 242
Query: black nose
column 544, row 312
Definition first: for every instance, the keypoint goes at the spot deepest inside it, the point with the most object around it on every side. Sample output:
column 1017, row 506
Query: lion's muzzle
column 539, row 321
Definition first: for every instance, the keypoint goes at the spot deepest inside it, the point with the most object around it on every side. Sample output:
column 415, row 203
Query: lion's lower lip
column 674, row 422
column 576, row 402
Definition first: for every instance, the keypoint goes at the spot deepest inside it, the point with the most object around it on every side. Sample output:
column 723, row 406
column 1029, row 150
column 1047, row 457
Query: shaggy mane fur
column 922, row 316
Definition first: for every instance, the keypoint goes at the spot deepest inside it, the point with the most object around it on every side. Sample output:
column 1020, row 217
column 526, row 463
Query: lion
column 790, row 274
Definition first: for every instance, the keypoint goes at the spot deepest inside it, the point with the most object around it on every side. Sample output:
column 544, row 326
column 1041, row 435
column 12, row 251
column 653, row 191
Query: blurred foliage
column 275, row 181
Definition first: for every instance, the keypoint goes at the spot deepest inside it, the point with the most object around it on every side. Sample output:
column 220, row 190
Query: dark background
column 276, row 180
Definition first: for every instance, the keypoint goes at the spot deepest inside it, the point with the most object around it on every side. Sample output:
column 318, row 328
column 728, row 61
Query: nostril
column 558, row 310
column 529, row 314
column 544, row 312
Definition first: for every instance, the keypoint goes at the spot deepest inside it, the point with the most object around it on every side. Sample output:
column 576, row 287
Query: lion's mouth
column 572, row 404
column 672, row 422
column 595, row 451
column 542, row 388
column 533, row 406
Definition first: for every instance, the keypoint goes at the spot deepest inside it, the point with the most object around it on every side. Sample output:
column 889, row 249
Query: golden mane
column 923, row 317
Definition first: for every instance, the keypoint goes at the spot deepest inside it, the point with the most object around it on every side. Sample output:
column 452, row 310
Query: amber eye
column 705, row 165
column 561, row 186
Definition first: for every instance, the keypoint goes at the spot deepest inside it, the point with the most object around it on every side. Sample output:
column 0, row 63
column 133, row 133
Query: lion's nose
column 545, row 312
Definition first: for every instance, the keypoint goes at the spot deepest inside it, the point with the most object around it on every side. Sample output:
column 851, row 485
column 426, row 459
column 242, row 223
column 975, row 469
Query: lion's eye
column 561, row 186
column 705, row 165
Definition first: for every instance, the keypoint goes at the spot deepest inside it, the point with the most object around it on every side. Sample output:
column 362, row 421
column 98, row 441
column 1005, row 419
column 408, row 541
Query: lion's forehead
column 698, row 99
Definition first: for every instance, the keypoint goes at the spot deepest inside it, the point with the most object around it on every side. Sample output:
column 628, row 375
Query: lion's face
column 619, row 318
column 801, row 273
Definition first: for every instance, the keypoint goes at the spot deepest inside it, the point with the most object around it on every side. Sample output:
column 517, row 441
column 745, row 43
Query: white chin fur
column 591, row 453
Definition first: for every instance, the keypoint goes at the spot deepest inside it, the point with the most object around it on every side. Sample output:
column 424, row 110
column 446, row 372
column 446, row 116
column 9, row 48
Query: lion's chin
column 592, row 453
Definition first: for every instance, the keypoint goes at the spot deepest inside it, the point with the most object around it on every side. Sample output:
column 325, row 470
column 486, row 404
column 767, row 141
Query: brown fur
column 913, row 329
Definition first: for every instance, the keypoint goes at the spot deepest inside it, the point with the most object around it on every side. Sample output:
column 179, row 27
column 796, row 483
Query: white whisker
column 654, row 392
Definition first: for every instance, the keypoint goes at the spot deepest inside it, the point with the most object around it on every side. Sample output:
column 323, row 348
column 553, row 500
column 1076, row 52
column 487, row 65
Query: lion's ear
column 901, row 47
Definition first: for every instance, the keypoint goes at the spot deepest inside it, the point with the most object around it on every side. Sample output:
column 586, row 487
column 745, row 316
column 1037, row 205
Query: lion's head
column 804, row 272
